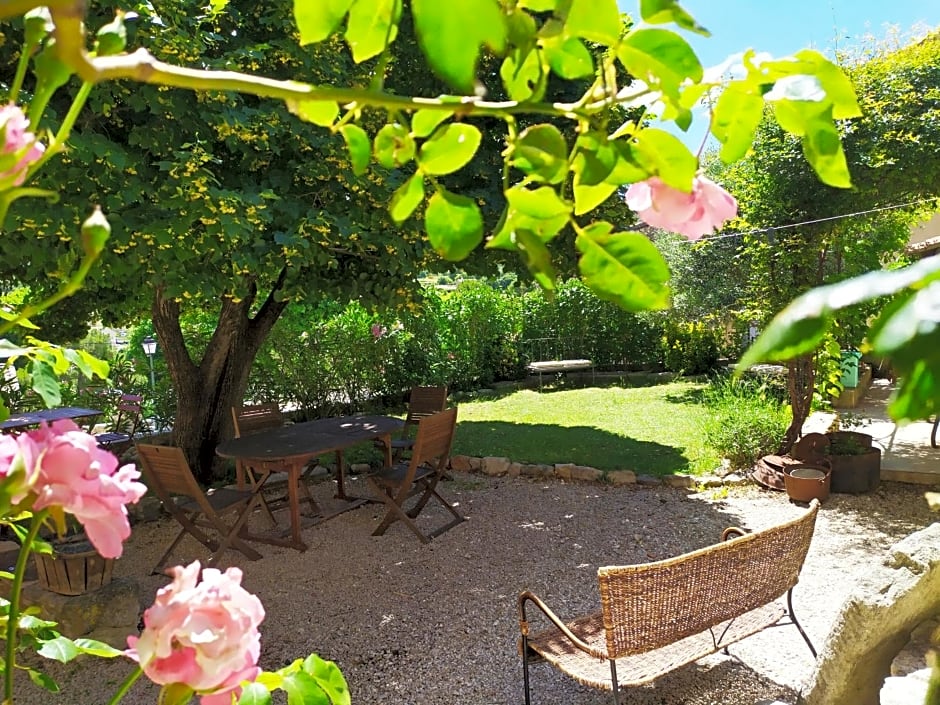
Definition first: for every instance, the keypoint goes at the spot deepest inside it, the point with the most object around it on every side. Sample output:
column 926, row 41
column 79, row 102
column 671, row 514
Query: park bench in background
column 656, row 617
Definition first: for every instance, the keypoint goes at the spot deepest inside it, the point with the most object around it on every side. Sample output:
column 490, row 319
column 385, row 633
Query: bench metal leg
column 793, row 619
column 613, row 681
column 525, row 669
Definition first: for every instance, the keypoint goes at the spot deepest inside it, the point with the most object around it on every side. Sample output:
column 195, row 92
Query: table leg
column 293, row 495
column 387, row 444
column 340, row 477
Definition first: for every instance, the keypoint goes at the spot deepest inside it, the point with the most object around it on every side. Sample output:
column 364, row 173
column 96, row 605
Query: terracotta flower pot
column 807, row 482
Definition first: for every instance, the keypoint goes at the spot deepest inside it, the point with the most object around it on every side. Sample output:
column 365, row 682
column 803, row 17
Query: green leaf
column 60, row 649
column 449, row 149
column 823, row 150
column 175, row 694
column 541, row 203
column 918, row 394
column 45, row 383
column 663, row 11
column 537, row 258
column 524, row 80
column 319, row 112
column 302, row 689
column 735, row 118
column 394, row 146
column 664, row 155
column 588, row 197
column 504, row 237
column 799, row 327
column 538, row 5
column 594, row 20
column 371, row 24
column 910, row 329
column 569, row 58
column 451, row 34
column 659, row 57
column 542, row 153
column 425, row 122
column 454, row 225
column 359, row 146
column 41, row 679
column 318, row 19
column 255, row 694
column 839, row 89
column 408, row 197
column 328, row 676
column 92, row 647
column 625, row 268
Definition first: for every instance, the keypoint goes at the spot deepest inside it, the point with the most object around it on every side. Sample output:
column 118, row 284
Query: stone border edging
column 504, row 467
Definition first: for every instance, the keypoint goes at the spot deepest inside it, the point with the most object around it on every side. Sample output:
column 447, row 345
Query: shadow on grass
column 581, row 445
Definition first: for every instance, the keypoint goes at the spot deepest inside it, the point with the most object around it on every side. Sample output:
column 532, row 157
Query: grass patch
column 651, row 430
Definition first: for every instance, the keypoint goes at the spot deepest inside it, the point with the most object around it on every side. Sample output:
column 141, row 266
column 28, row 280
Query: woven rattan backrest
column 434, row 440
column 167, row 473
column 258, row 417
column 425, row 401
column 651, row 605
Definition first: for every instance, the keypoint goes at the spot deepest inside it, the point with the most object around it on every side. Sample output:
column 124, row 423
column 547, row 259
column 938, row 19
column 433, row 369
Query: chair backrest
column 425, row 401
column 434, row 440
column 257, row 417
column 701, row 589
column 167, row 473
column 129, row 409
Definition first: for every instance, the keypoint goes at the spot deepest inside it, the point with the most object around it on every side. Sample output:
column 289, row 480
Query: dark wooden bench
column 656, row 617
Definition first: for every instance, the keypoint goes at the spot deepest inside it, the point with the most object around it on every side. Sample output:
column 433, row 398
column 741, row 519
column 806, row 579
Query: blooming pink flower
column 83, row 479
column 16, row 137
column 689, row 214
column 203, row 634
column 18, row 469
column 378, row 331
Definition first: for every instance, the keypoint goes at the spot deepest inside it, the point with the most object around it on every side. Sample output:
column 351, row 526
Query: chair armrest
column 732, row 532
column 527, row 596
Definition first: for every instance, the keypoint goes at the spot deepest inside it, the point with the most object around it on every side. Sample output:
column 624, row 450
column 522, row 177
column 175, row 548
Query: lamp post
column 150, row 348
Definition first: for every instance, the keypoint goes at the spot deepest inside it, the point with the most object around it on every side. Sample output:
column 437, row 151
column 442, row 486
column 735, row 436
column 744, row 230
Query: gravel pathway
column 436, row 624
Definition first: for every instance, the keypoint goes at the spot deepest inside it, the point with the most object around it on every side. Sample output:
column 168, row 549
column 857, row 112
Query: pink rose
column 85, row 481
column 689, row 214
column 16, row 138
column 203, row 634
column 18, row 469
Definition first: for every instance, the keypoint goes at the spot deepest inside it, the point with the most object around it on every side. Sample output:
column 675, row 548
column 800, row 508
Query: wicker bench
column 656, row 617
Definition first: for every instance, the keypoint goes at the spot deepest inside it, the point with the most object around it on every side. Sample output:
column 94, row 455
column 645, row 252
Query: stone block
column 680, row 481
column 476, row 463
column 582, row 473
column 515, row 470
column 619, row 478
column 461, row 463
column 648, row 480
column 360, row 468
column 541, row 472
column 563, row 470
column 495, row 467
column 876, row 622
column 109, row 614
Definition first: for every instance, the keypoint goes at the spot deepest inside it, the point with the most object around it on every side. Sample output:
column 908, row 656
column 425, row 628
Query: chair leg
column 793, row 619
column 525, row 669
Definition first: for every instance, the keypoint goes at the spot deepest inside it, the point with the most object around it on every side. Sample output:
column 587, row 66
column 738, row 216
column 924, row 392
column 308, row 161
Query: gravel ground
column 436, row 624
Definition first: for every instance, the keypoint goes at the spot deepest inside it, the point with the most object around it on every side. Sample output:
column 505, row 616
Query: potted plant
column 73, row 566
column 855, row 462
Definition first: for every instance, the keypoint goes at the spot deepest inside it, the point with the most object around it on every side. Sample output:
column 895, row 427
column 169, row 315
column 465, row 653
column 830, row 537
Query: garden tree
column 776, row 190
column 218, row 203
column 183, row 207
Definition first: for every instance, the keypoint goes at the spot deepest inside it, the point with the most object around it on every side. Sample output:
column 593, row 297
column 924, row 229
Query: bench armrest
column 527, row 596
column 732, row 532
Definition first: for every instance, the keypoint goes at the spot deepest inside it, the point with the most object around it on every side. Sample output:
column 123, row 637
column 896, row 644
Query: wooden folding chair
column 253, row 419
column 126, row 424
column 419, row 477
column 223, row 511
column 423, row 402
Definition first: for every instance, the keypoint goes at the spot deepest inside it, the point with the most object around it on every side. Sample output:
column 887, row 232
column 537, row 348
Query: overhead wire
column 774, row 228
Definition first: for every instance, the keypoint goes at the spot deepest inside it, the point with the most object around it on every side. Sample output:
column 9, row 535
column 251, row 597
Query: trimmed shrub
column 690, row 348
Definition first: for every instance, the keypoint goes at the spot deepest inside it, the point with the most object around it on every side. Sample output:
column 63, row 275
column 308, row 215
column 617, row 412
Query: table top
column 23, row 419
column 309, row 438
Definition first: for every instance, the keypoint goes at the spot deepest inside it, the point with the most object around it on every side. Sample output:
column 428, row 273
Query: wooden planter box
column 73, row 569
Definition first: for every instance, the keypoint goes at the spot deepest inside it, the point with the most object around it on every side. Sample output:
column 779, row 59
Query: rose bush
column 20, row 146
column 201, row 633
column 694, row 214
column 83, row 480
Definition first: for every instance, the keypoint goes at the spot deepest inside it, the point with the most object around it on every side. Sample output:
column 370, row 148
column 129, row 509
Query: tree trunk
column 206, row 391
column 800, row 383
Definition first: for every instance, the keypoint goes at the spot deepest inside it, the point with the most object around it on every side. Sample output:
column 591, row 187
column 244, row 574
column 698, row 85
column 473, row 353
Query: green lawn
column 650, row 430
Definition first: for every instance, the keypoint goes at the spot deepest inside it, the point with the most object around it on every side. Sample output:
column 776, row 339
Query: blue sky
column 781, row 28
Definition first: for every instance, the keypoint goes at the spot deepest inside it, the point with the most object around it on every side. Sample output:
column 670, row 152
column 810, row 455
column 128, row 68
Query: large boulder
column 876, row 622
